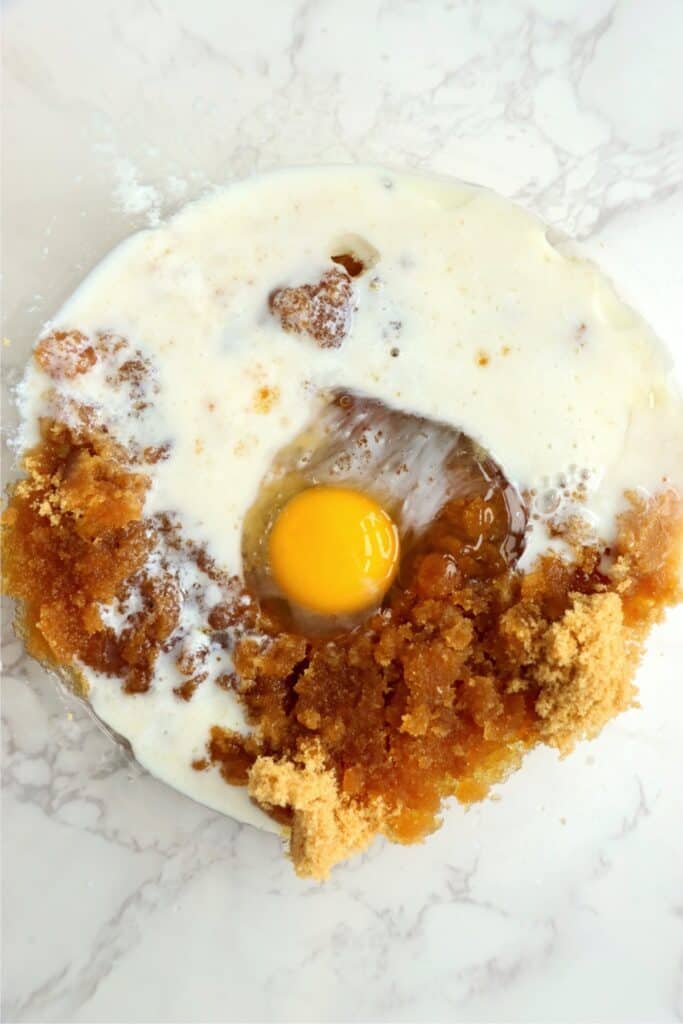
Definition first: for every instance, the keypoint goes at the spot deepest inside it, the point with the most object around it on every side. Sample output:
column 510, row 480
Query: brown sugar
column 321, row 310
column 442, row 692
column 326, row 825
column 65, row 354
column 72, row 535
column 74, row 538
column 265, row 399
column 353, row 266
column 584, row 672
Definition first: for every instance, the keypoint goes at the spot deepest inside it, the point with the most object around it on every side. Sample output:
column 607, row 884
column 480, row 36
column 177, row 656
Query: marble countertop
column 562, row 898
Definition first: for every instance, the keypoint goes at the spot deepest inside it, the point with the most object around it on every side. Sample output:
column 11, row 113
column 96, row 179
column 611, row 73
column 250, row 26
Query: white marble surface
column 563, row 899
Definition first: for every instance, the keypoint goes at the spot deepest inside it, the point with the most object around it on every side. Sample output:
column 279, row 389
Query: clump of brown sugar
column 326, row 826
column 72, row 534
column 65, row 354
column 584, row 673
column 321, row 310
column 73, row 539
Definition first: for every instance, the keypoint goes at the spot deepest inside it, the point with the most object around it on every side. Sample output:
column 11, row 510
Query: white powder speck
column 134, row 197
column 176, row 188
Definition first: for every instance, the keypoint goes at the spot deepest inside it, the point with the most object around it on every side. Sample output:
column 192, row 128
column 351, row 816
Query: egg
column 333, row 550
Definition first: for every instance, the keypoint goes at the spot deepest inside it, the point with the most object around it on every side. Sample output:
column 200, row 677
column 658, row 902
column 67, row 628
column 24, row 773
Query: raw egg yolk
column 333, row 550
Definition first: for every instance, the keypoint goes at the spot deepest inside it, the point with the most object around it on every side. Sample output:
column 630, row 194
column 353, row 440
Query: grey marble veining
column 561, row 899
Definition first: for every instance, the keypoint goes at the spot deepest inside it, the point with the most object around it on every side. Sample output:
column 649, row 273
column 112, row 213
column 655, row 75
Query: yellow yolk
column 333, row 550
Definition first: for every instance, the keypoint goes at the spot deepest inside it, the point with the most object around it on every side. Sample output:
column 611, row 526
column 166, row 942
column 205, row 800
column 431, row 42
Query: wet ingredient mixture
column 343, row 489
